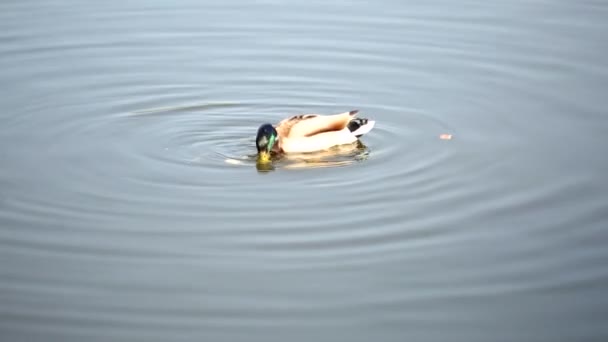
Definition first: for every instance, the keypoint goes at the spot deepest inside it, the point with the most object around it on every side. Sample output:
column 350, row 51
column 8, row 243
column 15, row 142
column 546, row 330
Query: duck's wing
column 308, row 125
column 317, row 142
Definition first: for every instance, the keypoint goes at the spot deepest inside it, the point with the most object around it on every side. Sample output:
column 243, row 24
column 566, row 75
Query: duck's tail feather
column 360, row 126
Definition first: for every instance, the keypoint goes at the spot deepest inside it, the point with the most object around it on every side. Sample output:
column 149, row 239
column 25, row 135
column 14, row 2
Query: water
column 121, row 219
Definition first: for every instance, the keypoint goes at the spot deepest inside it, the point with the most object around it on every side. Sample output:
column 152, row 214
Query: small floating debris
column 234, row 161
column 445, row 136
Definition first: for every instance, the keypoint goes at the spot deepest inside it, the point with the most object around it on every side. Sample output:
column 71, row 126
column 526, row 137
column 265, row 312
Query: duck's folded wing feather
column 311, row 124
column 317, row 142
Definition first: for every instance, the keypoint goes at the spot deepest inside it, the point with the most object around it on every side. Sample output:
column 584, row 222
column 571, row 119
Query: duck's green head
column 265, row 141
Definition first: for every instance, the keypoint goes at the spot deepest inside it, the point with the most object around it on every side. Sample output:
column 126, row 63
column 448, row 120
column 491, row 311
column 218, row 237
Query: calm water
column 120, row 219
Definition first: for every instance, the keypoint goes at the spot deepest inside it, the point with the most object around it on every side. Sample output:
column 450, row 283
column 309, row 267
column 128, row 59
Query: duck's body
column 312, row 132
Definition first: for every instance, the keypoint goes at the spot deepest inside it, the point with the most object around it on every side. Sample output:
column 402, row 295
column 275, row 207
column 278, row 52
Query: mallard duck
column 310, row 133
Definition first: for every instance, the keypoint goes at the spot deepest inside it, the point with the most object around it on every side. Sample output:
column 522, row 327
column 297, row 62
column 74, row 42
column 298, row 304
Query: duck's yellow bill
column 264, row 157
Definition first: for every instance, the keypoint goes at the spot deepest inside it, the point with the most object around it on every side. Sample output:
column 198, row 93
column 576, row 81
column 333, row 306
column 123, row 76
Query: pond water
column 131, row 210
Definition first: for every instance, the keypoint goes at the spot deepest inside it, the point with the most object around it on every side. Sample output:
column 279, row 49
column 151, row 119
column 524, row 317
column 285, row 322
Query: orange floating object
column 445, row 136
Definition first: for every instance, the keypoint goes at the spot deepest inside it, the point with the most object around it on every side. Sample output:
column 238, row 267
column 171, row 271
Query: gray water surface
column 130, row 209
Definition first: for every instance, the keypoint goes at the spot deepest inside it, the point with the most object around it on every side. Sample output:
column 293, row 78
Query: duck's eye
column 263, row 141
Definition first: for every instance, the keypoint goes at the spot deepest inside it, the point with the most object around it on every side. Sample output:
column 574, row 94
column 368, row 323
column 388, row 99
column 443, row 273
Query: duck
column 305, row 133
